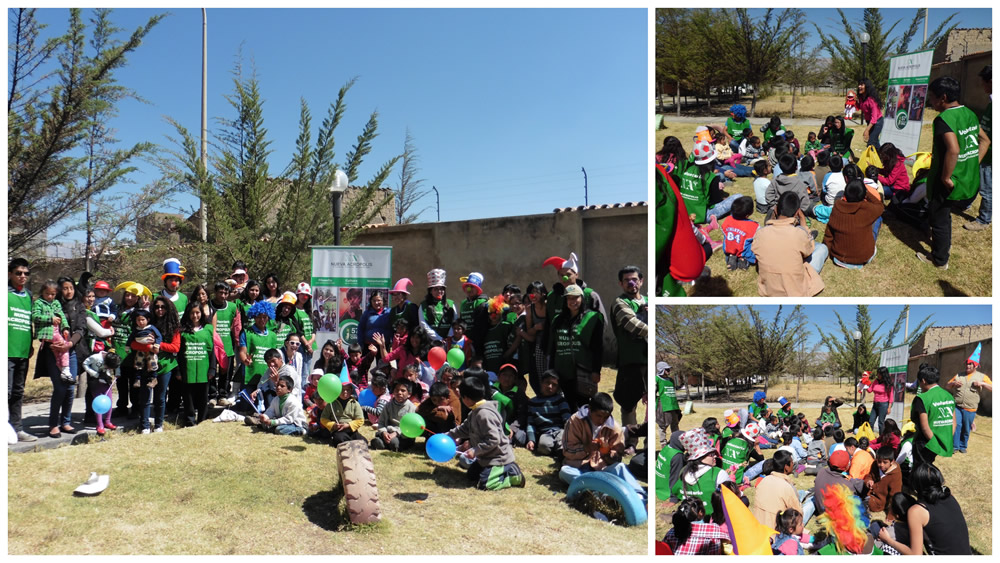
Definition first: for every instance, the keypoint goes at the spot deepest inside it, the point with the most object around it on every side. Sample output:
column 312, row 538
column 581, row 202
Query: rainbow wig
column 265, row 307
column 496, row 304
column 844, row 519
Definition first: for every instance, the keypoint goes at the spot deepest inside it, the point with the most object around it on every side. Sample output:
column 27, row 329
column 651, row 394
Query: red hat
column 101, row 284
column 505, row 366
column 839, row 460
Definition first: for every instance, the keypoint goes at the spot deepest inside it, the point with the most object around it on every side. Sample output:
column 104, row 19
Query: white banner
column 343, row 280
column 905, row 99
column 896, row 360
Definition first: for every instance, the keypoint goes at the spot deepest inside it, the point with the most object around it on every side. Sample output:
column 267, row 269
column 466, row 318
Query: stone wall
column 938, row 337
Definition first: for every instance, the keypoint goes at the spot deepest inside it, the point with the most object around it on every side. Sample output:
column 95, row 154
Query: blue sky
column 824, row 317
column 505, row 106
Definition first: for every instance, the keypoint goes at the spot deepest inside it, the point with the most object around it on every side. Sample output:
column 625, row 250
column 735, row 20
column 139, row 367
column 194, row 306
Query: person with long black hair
column 935, row 522
column 882, row 395
column 691, row 535
column 871, row 112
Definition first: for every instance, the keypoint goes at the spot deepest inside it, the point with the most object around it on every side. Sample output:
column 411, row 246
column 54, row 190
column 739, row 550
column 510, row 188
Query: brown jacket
column 579, row 432
column 782, row 250
column 849, row 233
column 890, row 484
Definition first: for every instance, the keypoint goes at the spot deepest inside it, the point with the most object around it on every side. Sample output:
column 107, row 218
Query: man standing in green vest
column 173, row 277
column 985, row 217
column 933, row 410
column 19, row 347
column 629, row 315
column 668, row 412
column 228, row 325
column 953, row 181
column 473, row 310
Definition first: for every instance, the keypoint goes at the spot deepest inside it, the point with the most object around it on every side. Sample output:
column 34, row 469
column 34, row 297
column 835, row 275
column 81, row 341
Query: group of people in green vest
column 959, row 169
column 201, row 348
column 921, row 513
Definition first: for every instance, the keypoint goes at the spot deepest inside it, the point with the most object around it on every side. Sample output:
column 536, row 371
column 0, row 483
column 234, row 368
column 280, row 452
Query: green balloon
column 329, row 387
column 411, row 425
column 456, row 357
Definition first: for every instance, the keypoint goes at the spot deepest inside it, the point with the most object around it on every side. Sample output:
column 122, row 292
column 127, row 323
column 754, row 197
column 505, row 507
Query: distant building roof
column 600, row 206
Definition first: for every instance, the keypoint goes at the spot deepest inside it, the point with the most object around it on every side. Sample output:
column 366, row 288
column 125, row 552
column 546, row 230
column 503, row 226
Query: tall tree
column 800, row 70
column 271, row 220
column 845, row 48
column 411, row 188
column 766, row 345
column 756, row 48
column 50, row 116
column 847, row 356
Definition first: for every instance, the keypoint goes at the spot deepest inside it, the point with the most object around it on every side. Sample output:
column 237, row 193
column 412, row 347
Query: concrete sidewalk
column 35, row 419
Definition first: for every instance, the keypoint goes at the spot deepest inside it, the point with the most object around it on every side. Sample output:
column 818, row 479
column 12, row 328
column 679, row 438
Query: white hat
column 661, row 367
column 304, row 289
column 437, row 278
column 703, row 152
column 95, row 485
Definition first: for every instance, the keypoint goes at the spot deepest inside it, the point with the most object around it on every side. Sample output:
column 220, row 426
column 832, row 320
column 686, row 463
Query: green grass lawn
column 221, row 488
column 969, row 476
column 895, row 271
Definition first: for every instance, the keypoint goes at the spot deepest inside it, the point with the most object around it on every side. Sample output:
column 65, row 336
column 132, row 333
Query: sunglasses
column 293, row 343
column 22, row 273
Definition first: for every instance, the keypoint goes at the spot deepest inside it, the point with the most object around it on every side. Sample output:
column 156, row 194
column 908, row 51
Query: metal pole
column 336, row 218
column 586, row 199
column 855, row 373
column 437, row 202
column 927, row 15
column 202, row 209
column 864, row 64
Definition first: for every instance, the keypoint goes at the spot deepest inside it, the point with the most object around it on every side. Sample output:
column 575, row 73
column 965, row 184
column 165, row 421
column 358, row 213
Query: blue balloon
column 102, row 404
column 367, row 398
column 441, row 448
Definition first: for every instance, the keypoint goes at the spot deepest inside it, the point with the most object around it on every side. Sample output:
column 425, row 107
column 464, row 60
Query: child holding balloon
column 101, row 368
column 493, row 466
column 389, row 436
column 342, row 417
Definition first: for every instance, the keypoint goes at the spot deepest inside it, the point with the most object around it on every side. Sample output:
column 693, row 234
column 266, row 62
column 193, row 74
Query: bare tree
column 411, row 188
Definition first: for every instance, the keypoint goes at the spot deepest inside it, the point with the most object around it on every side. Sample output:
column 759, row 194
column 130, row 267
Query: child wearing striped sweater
column 546, row 416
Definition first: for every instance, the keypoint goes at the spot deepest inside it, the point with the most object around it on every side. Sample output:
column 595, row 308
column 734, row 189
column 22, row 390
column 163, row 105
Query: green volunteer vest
column 726, row 432
column 123, row 328
column 736, row 452
column 753, row 409
column 495, row 345
column 18, row 324
column 257, row 345
column 694, row 188
column 467, row 311
column 703, row 488
column 663, row 460
column 735, row 128
column 940, row 408
column 405, row 312
column 306, row 323
column 281, row 330
column 554, row 303
column 196, row 348
column 986, row 125
column 668, row 394
column 782, row 413
column 965, row 125
column 181, row 302
column 435, row 317
column 224, row 324
column 768, row 133
column 569, row 352
column 630, row 350
column 841, row 143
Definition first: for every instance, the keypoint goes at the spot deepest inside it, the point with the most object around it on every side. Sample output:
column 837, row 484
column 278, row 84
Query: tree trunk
column 728, row 394
column 703, row 387
column 687, row 388
column 792, row 116
column 753, row 102
column 798, row 385
column 678, row 98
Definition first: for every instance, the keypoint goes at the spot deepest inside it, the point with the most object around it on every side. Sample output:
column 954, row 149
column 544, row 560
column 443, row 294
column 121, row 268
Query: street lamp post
column 857, row 338
column 865, row 38
column 337, row 188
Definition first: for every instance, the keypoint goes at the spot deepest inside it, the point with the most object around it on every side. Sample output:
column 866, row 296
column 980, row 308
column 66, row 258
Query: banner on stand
column 905, row 100
column 343, row 280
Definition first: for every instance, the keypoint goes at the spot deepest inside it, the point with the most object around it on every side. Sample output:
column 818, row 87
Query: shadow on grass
column 323, row 509
column 949, row 290
column 905, row 232
column 447, row 477
column 294, row 448
column 715, row 286
column 411, row 497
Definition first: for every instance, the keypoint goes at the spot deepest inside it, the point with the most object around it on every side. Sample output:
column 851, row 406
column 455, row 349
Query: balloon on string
column 344, row 376
column 329, row 387
column 437, row 356
column 456, row 357
column 411, row 425
column 102, row 404
column 441, row 448
column 367, row 398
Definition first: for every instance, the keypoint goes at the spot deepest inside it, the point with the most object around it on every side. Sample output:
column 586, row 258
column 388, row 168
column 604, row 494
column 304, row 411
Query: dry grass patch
column 895, row 271
column 969, row 476
column 225, row 489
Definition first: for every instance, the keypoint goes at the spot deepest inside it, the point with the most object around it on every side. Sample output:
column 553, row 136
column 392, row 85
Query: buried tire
column 357, row 476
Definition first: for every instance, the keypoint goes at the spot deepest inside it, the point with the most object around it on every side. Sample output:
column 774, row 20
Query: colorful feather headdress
column 844, row 519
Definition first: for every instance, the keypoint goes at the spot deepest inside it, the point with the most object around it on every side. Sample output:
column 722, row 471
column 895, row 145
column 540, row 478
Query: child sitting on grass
column 436, row 410
column 419, row 389
column 885, row 480
column 812, row 143
column 691, row 535
column 592, row 441
column 546, row 416
column 492, row 464
column 342, row 417
column 761, row 171
column 308, row 396
column 790, row 527
column 313, row 428
column 379, row 387
column 388, row 436
column 737, row 232
column 510, row 399
column 285, row 414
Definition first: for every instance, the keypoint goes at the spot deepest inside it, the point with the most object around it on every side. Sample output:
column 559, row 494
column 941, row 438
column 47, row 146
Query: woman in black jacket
column 61, row 404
